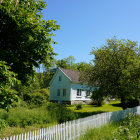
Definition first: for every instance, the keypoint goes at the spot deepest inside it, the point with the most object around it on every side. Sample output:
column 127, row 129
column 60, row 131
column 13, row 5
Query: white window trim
column 80, row 92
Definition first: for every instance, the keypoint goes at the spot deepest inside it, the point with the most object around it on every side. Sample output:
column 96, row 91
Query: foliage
column 45, row 77
column 2, row 124
column 101, row 133
column 129, row 129
column 61, row 113
column 79, row 106
column 39, row 97
column 98, row 97
column 36, row 97
column 23, row 117
column 25, row 37
column 26, row 117
column 82, row 66
column 116, row 70
column 69, row 63
column 33, row 93
column 7, row 80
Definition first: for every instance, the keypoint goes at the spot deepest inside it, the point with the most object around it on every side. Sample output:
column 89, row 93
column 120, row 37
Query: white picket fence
column 71, row 130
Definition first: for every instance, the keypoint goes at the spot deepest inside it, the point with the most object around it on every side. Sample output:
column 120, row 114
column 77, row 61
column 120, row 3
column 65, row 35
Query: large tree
column 25, row 38
column 116, row 71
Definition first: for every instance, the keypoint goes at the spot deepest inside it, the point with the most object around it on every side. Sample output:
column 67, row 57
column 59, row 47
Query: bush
column 23, row 117
column 97, row 97
column 129, row 129
column 79, row 106
column 3, row 124
column 37, row 99
column 61, row 113
column 132, row 102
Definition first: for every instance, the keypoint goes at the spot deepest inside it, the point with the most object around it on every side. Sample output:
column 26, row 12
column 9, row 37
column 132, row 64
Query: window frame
column 60, row 78
column 79, row 92
column 64, row 91
column 58, row 92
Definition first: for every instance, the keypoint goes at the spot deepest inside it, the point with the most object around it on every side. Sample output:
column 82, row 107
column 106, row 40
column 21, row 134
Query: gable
column 72, row 75
column 58, row 73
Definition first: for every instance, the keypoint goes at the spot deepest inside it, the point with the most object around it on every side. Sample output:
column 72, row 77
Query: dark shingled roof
column 72, row 74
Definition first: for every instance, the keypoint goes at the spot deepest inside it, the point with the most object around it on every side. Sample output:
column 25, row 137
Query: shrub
column 45, row 92
column 132, row 102
column 25, row 117
column 61, row 113
column 97, row 97
column 3, row 124
column 129, row 129
column 37, row 98
column 79, row 106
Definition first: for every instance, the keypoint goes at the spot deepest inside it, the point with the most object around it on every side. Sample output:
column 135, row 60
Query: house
column 65, row 87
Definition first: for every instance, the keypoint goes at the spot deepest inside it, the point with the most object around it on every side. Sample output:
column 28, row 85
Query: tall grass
column 102, row 133
column 127, row 129
column 23, row 117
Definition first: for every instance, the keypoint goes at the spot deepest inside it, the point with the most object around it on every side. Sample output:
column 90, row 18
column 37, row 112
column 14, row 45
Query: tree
column 82, row 66
column 116, row 71
column 25, row 38
column 7, row 80
column 67, row 63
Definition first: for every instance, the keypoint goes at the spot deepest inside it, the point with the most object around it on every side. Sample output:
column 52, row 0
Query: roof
column 72, row 74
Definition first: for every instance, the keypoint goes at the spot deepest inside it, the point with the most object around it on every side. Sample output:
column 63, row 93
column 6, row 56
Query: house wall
column 80, row 99
column 56, row 84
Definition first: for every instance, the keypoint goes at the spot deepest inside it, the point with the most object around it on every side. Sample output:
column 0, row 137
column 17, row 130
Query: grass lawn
column 88, row 110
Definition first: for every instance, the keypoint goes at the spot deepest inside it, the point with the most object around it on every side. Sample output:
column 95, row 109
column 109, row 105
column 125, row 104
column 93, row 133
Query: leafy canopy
column 116, row 70
column 25, row 38
column 7, row 80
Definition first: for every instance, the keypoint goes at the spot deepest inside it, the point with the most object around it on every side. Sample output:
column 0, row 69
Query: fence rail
column 73, row 129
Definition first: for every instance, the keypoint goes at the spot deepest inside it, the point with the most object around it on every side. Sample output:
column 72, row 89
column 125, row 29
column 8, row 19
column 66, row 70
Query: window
column 88, row 93
column 58, row 92
column 64, row 92
column 60, row 78
column 79, row 91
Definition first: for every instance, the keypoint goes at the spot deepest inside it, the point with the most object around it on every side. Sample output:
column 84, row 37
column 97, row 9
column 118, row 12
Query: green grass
column 23, row 119
column 127, row 129
column 10, row 131
column 102, row 133
column 88, row 110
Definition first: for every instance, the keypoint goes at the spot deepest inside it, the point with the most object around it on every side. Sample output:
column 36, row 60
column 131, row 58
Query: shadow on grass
column 86, row 114
column 117, row 105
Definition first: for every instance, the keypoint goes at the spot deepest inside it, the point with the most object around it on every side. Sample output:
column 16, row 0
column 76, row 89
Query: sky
column 85, row 24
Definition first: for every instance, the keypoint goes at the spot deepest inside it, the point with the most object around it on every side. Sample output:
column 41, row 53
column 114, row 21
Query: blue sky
column 88, row 23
